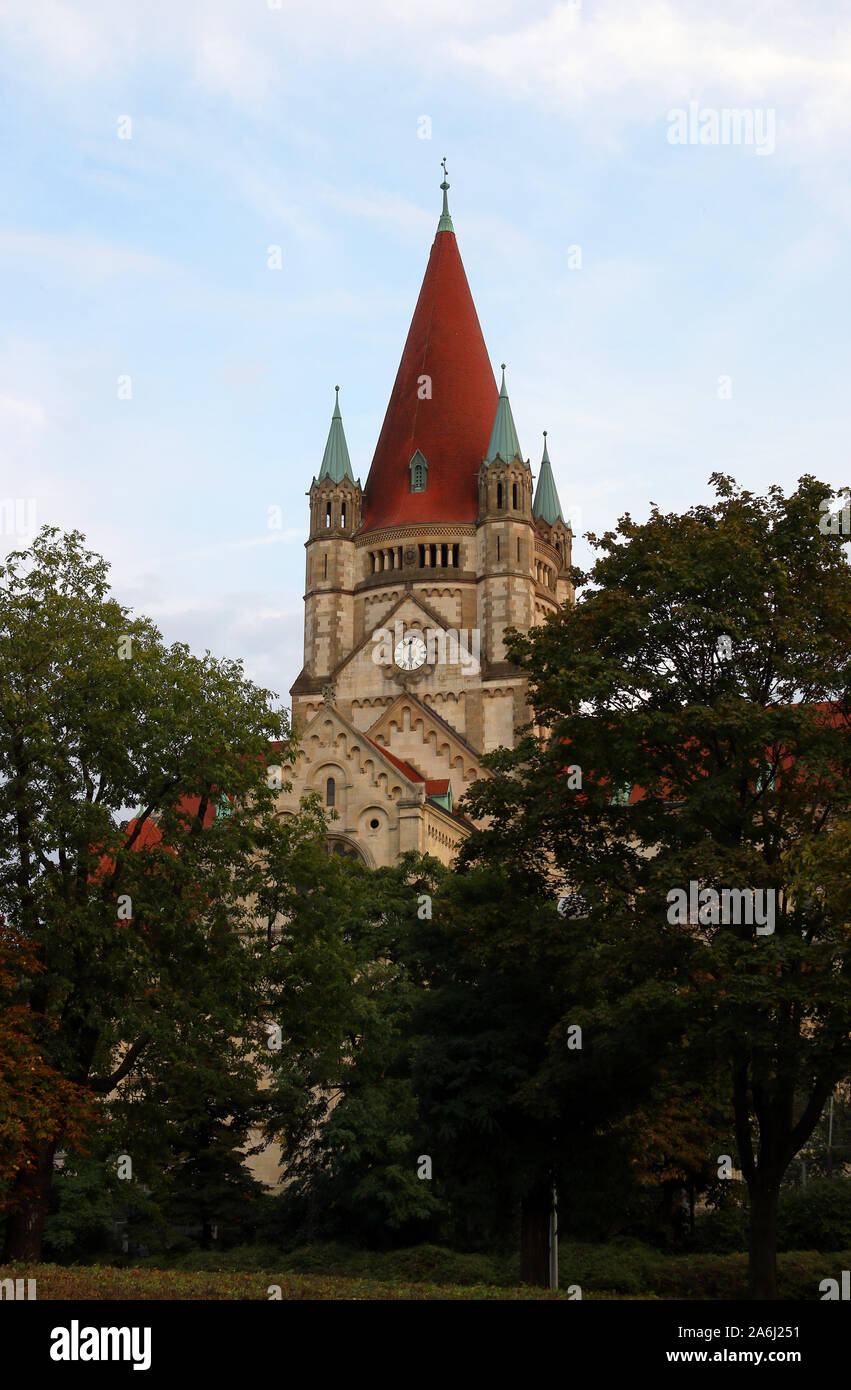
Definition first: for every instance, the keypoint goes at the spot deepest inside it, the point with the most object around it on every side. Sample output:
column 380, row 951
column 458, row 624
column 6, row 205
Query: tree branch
column 104, row 1084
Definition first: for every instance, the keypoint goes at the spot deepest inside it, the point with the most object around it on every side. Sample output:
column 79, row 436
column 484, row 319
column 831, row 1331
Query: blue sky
column 255, row 126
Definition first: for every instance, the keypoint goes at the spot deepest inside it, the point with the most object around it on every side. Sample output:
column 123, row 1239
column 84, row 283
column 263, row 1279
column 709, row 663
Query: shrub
column 817, row 1217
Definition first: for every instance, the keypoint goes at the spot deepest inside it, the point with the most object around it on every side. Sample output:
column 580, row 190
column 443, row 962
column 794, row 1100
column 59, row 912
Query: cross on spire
column 445, row 223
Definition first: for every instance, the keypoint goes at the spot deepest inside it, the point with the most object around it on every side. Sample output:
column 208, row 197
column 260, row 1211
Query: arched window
column 419, row 471
column 330, row 792
column 328, row 514
column 499, row 495
column 514, row 496
column 343, row 516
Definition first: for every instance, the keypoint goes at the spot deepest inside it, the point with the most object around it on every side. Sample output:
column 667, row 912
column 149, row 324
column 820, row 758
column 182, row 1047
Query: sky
column 669, row 302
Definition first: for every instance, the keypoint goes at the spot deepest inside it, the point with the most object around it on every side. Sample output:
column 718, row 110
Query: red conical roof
column 452, row 428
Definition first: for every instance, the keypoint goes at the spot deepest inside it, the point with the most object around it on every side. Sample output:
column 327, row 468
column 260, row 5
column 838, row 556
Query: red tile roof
column 453, row 427
column 405, row 768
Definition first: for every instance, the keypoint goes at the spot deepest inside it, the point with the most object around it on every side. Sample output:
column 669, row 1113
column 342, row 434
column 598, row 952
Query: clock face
column 410, row 653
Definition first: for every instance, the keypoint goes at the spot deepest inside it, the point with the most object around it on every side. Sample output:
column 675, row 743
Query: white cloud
column 615, row 64
column 21, row 417
column 609, row 61
column 91, row 257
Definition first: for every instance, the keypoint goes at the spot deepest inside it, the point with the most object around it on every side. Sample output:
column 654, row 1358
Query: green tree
column 342, row 1096
column 143, row 931
column 706, row 667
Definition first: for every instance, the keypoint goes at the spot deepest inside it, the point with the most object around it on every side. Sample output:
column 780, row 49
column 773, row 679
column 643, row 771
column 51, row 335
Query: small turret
column 551, row 527
column 546, row 505
column 336, row 501
column 505, row 538
column 505, row 481
column 335, row 496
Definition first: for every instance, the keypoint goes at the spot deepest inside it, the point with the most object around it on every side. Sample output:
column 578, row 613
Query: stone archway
column 343, row 845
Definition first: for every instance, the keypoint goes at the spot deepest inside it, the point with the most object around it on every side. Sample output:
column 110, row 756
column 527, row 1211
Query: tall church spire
column 336, row 464
column 546, row 506
column 445, row 223
column 503, row 440
column 442, row 403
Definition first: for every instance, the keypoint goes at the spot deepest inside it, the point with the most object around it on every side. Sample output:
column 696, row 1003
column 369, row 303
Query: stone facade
column 445, row 543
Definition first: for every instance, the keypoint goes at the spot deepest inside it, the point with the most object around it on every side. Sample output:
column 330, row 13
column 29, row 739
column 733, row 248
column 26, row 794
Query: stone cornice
column 417, row 533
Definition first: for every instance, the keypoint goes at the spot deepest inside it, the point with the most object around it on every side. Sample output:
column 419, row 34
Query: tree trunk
column 30, row 1199
column 535, row 1236
column 762, row 1264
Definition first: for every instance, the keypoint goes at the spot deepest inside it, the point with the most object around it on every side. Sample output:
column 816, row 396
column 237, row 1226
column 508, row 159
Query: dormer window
column 419, row 472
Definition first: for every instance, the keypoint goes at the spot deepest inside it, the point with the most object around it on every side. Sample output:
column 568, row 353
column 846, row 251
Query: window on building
column 497, row 547
column 766, row 780
column 343, row 515
column 330, row 792
column 514, row 496
column 419, row 472
column 325, row 575
column 328, row 514
column 499, row 496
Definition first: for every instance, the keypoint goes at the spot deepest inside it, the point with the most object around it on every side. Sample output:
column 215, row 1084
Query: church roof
column 443, row 403
column 503, row 440
column 546, row 505
column 407, row 769
column 336, row 463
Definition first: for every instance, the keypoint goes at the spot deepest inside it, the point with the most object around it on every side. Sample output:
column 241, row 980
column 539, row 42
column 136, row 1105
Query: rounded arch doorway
column 342, row 845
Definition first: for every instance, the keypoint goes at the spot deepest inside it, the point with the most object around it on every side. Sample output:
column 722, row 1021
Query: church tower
column 506, row 540
column 411, row 584
column 553, row 535
column 335, row 515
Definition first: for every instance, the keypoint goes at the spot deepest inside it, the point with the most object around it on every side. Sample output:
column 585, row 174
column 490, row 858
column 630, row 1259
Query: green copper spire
column 546, row 505
column 335, row 461
column 503, row 435
column 445, row 223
